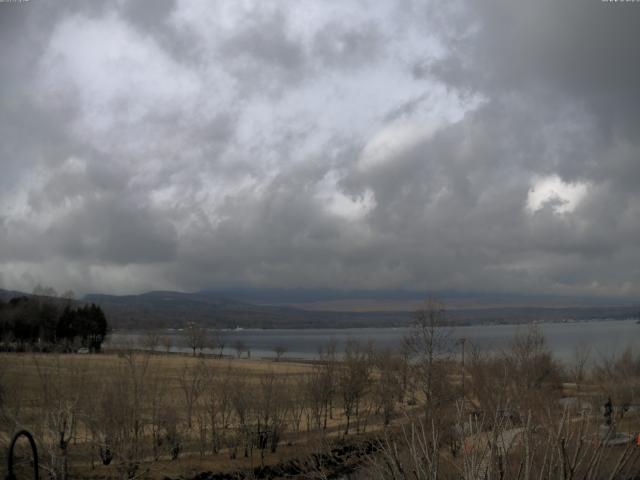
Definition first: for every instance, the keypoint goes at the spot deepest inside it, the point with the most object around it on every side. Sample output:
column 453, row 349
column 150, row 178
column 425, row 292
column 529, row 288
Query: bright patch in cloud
column 563, row 197
column 392, row 142
column 337, row 203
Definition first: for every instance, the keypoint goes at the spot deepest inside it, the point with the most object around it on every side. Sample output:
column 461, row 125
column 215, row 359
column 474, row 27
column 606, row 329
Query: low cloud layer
column 478, row 146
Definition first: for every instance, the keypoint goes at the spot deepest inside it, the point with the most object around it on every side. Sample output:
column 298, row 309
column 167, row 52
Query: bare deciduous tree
column 157, row 405
column 314, row 388
column 62, row 392
column 279, row 351
column 217, row 400
column 242, row 404
column 578, row 367
column 270, row 412
column 533, row 372
column 4, row 416
column 196, row 337
column 387, row 384
column 192, row 382
column 167, row 343
column 430, row 344
column 328, row 367
column 150, row 341
column 218, row 341
column 239, row 346
column 353, row 380
column 128, row 408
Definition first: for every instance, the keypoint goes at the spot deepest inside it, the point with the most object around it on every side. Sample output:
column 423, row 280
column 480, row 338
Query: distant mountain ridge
column 6, row 295
column 453, row 299
column 307, row 308
column 174, row 309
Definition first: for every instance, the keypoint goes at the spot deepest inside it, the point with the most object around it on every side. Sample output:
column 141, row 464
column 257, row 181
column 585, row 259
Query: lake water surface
column 604, row 338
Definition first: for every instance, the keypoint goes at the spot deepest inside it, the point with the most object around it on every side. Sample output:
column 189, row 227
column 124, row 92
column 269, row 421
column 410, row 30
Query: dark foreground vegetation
column 418, row 413
column 42, row 323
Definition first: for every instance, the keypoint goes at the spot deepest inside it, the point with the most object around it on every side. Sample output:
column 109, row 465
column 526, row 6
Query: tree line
column 46, row 323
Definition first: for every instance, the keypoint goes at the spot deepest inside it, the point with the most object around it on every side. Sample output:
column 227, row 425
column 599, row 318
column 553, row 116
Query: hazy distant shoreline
column 603, row 337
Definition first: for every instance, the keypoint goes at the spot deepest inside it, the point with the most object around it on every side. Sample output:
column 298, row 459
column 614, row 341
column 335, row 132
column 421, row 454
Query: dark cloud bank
column 478, row 146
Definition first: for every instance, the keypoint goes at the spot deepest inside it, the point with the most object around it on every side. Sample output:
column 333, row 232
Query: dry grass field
column 170, row 414
column 22, row 373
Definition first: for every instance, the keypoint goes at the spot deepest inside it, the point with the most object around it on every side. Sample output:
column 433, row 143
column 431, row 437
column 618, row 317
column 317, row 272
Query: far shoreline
column 177, row 330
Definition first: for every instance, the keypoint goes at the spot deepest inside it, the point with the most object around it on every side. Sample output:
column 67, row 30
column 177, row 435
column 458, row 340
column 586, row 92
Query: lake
column 604, row 338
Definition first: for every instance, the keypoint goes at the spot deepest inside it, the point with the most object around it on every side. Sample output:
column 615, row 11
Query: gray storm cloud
column 485, row 145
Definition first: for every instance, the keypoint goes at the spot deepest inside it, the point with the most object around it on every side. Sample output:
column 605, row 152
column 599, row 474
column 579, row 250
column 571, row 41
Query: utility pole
column 462, row 342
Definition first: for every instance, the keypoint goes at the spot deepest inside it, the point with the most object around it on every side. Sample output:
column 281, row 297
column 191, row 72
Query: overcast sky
column 480, row 145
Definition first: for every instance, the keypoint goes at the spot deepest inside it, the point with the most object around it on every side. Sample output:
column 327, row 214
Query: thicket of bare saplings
column 523, row 416
column 511, row 414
